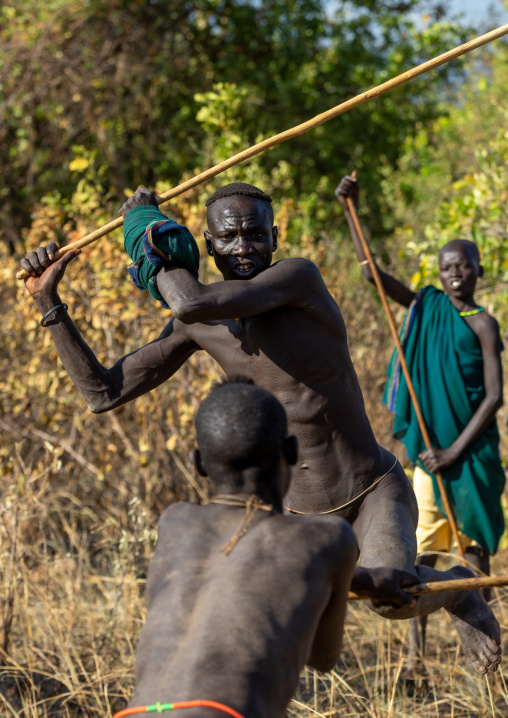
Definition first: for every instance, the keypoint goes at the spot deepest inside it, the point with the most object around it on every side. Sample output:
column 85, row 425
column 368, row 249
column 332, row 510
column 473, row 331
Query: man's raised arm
column 133, row 375
column 247, row 239
column 291, row 282
column 348, row 189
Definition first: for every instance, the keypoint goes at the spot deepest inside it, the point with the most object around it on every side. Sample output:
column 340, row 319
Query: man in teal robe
column 445, row 359
column 453, row 351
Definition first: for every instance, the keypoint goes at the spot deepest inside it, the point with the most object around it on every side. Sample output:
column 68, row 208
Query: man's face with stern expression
column 241, row 236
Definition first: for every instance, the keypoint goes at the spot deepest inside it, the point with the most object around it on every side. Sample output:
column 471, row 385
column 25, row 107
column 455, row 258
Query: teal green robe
column 445, row 360
column 154, row 241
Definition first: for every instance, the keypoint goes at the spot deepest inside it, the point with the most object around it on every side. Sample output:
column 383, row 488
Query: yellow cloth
column 434, row 532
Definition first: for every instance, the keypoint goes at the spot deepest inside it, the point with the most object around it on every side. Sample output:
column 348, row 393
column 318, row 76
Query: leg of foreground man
column 478, row 560
column 385, row 530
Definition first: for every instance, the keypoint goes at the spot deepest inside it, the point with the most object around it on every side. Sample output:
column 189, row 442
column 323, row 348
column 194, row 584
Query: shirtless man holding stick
column 279, row 325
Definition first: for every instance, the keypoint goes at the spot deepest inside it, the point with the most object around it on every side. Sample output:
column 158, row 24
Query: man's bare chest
column 248, row 346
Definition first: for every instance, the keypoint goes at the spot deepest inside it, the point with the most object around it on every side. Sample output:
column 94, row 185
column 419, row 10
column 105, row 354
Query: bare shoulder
column 297, row 266
column 174, row 328
column 486, row 327
column 178, row 513
column 168, row 329
column 175, row 340
column 488, row 323
column 301, row 275
column 330, row 527
column 330, row 533
column 295, row 269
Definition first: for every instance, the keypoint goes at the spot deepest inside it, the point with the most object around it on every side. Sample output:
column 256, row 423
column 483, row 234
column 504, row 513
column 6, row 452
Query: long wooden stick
column 405, row 370
column 294, row 132
column 456, row 584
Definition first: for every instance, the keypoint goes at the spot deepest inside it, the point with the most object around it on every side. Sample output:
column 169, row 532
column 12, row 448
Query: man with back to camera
column 279, row 325
column 241, row 597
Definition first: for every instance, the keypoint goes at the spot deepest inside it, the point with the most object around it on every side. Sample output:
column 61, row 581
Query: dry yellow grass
column 79, row 500
column 72, row 580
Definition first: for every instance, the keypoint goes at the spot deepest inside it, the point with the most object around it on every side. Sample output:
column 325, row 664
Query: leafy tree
column 451, row 180
column 118, row 82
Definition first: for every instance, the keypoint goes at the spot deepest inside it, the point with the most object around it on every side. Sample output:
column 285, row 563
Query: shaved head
column 239, row 190
column 465, row 245
column 241, row 426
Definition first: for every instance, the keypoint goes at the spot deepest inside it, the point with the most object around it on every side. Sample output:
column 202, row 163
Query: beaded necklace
column 472, row 312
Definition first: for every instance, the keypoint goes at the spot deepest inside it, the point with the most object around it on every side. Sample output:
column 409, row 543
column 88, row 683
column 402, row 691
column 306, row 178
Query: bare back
column 236, row 629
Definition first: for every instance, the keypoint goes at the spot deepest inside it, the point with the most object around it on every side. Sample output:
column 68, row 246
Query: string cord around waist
column 349, row 503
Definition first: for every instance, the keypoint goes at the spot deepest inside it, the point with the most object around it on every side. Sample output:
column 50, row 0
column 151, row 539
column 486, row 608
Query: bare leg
column 385, row 531
column 480, row 560
column 477, row 559
column 418, row 626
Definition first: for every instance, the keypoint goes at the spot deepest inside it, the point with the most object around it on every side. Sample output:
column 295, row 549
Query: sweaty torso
column 301, row 356
column 235, row 629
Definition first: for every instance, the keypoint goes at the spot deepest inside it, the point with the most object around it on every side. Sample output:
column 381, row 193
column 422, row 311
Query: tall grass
column 72, row 589
column 80, row 496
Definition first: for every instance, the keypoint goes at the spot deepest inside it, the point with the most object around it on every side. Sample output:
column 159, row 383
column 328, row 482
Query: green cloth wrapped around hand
column 154, row 241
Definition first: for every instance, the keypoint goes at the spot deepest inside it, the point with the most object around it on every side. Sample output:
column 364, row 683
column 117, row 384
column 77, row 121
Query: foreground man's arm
column 292, row 282
column 384, row 585
column 132, row 375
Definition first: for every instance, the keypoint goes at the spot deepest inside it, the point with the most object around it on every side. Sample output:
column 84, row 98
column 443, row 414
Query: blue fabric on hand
column 153, row 242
